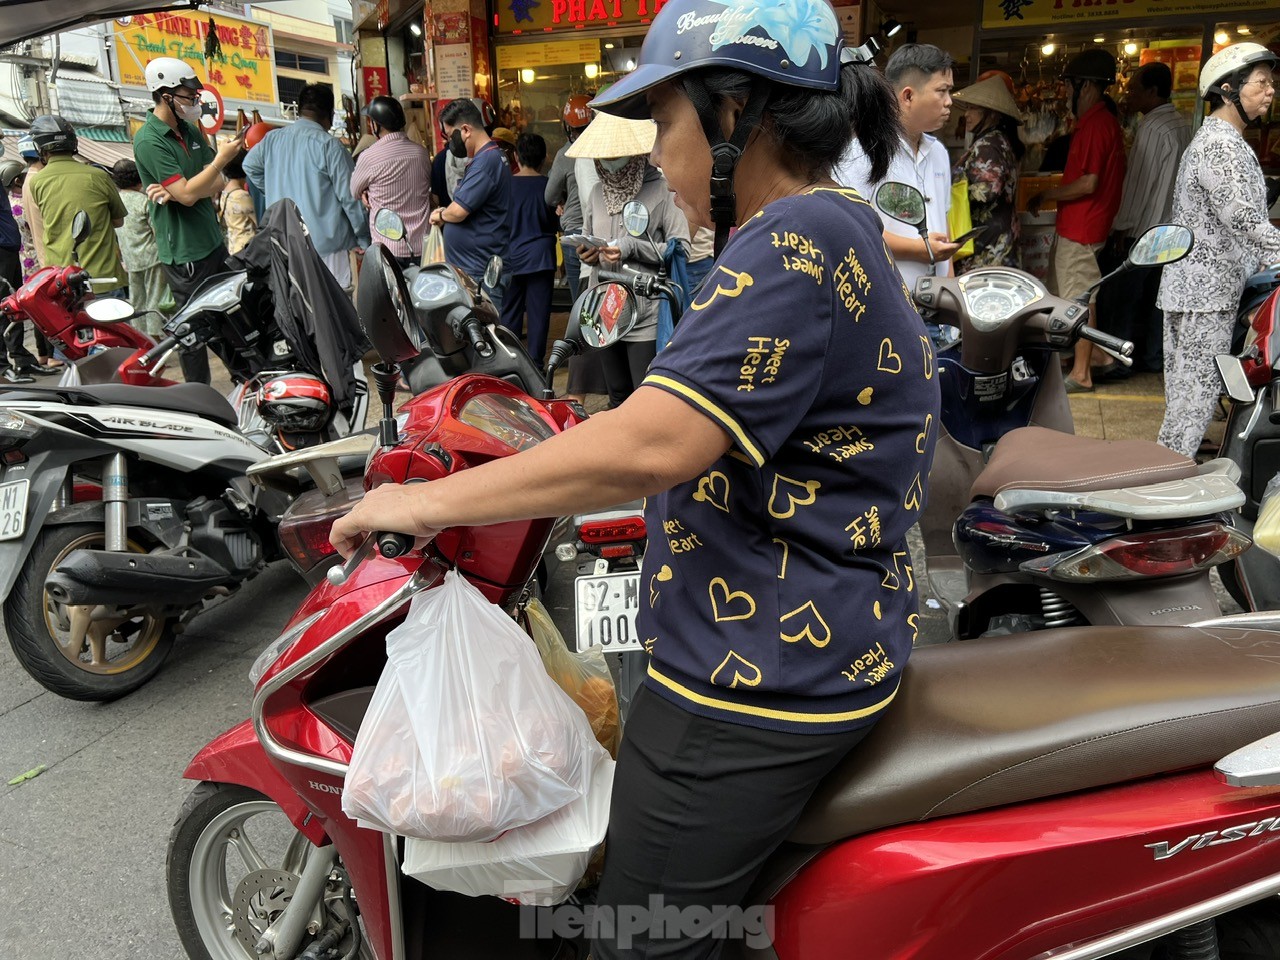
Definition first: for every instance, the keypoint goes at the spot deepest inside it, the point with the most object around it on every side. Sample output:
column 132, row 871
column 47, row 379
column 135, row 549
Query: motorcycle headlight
column 15, row 430
column 278, row 646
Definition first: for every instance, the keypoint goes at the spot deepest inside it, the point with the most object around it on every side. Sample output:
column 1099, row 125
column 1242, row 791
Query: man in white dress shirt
column 1128, row 309
column 921, row 74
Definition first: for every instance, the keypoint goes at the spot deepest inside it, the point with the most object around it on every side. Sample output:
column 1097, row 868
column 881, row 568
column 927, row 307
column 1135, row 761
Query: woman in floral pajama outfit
column 1221, row 196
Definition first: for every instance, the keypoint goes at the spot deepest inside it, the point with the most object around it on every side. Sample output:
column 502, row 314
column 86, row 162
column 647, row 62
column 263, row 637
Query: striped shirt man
column 1147, row 197
column 395, row 174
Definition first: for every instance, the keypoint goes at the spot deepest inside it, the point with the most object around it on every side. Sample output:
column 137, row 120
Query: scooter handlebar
column 1122, row 350
column 163, row 347
column 476, row 337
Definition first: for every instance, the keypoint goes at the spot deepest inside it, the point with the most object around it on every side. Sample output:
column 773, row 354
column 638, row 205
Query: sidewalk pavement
column 1126, row 410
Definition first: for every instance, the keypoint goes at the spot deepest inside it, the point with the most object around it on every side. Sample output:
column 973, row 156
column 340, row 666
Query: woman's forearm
column 616, row 456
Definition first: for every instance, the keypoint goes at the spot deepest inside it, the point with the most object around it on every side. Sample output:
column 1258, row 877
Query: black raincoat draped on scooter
column 313, row 312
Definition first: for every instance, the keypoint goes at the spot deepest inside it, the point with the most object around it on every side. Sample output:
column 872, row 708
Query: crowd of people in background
column 162, row 223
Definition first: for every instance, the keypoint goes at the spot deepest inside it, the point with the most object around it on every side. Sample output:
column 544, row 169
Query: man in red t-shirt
column 1089, row 194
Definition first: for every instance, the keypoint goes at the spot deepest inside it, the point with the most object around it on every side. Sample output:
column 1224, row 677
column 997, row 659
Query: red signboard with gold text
column 551, row 16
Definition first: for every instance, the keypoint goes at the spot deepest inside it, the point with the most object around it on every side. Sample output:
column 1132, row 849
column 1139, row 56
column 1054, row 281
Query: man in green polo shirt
column 65, row 187
column 182, row 173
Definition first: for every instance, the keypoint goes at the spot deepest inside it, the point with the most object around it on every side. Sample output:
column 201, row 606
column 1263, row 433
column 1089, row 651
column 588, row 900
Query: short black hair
column 912, row 59
column 532, row 150
column 317, row 98
column 125, row 174
column 814, row 128
column 1155, row 76
column 459, row 112
column 234, row 170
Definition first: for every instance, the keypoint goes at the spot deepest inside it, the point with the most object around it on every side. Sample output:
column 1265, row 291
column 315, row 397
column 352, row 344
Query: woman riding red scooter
column 782, row 438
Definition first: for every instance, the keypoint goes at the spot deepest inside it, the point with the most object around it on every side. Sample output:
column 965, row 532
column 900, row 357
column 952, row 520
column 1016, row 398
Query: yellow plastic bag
column 433, row 249
column 585, row 677
column 959, row 218
column 1266, row 533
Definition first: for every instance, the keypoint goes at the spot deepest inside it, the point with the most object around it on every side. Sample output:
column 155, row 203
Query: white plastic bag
column 1266, row 533
column 537, row 865
column 466, row 736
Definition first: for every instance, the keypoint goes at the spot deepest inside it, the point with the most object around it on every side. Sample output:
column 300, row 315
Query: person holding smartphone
column 183, row 174
column 620, row 149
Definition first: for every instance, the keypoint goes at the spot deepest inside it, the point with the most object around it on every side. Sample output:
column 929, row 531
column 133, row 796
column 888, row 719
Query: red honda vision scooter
column 1051, row 795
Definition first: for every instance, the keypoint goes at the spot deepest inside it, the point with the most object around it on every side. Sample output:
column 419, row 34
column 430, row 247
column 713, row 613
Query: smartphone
column 576, row 240
column 971, row 235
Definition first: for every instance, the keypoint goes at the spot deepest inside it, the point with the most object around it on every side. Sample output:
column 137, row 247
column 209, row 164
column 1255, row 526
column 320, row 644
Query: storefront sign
column 245, row 71
column 1025, row 13
column 518, row 56
column 529, row 16
column 453, row 71
column 376, row 82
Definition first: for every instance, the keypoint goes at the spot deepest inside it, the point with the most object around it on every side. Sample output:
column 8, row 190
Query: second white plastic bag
column 466, row 736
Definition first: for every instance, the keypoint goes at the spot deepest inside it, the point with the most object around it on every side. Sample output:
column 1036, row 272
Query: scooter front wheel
column 81, row 653
column 233, row 864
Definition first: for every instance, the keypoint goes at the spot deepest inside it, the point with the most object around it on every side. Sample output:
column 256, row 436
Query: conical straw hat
column 991, row 94
column 608, row 137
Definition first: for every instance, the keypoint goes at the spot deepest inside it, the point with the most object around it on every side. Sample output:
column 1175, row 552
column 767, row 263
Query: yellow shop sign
column 245, row 71
column 1025, row 13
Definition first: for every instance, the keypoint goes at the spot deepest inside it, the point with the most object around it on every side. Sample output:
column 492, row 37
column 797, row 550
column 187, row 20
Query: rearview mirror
column 1234, row 378
column 80, row 227
column 109, row 310
column 388, row 225
column 493, row 273
column 382, row 303
column 606, row 314
column 635, row 218
column 901, row 201
column 1165, row 243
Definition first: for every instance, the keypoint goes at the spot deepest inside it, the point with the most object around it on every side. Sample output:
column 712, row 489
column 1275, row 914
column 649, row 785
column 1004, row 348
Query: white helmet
column 1230, row 59
column 164, row 73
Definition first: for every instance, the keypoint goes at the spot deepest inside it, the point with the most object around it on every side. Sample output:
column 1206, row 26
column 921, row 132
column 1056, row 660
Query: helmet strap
column 725, row 153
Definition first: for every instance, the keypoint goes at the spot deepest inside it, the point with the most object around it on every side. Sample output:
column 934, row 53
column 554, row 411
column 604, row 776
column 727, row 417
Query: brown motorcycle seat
column 1010, row 719
column 1035, row 458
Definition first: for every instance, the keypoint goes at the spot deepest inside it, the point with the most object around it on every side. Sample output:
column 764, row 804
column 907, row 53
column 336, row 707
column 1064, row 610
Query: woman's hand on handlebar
column 391, row 507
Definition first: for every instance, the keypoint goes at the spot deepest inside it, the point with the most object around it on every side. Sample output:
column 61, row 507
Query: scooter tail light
column 1159, row 553
column 306, row 540
column 612, row 531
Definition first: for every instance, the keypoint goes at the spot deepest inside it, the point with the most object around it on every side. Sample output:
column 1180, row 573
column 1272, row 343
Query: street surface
column 82, row 846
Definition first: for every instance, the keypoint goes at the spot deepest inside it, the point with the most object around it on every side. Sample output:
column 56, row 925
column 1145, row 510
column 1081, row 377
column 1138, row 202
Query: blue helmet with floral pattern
column 794, row 43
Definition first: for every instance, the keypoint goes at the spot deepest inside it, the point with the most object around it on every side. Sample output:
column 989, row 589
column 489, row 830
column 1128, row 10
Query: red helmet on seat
column 295, row 402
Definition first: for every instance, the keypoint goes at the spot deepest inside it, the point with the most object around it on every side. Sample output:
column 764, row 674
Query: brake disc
column 259, row 900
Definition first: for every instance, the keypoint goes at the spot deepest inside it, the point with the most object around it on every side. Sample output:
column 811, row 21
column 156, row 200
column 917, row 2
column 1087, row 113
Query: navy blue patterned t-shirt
column 777, row 589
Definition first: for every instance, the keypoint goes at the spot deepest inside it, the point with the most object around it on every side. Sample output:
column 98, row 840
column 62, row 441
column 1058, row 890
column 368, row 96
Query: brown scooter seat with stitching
column 1034, row 458
column 1011, row 719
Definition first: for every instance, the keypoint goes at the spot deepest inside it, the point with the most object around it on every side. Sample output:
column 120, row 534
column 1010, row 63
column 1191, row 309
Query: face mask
column 615, row 164
column 457, row 146
column 187, row 111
